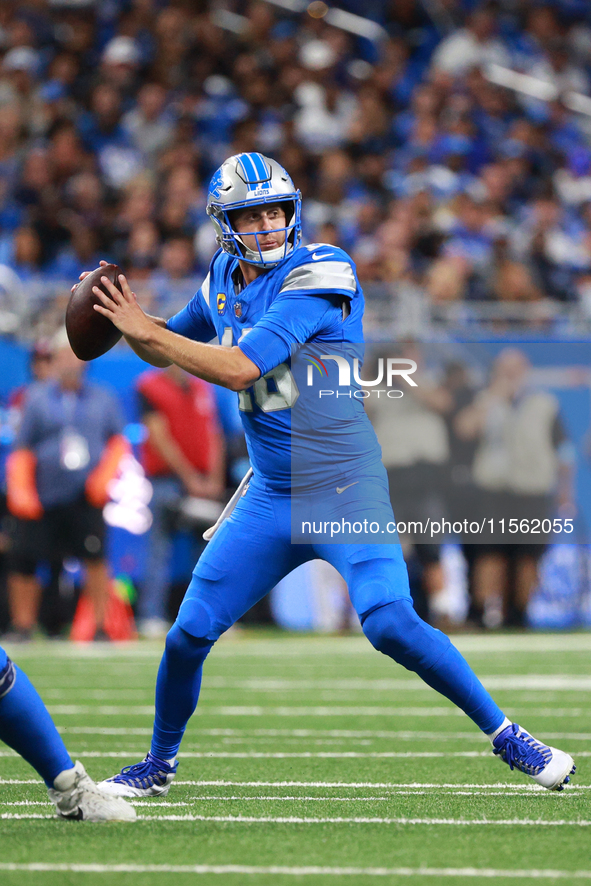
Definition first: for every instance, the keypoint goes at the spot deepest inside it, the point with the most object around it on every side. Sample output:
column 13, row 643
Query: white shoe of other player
column 547, row 766
column 78, row 798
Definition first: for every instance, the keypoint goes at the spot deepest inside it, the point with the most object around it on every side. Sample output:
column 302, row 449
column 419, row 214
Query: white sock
column 492, row 735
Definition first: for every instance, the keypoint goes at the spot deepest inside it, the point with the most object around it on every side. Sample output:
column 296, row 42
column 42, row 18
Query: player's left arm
column 315, row 299
column 228, row 367
column 293, row 319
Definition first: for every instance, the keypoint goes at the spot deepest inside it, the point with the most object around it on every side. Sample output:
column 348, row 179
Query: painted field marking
column 447, row 787
column 178, row 803
column 285, row 755
column 235, row 646
column 291, row 755
column 284, row 870
column 294, row 819
column 528, row 683
column 250, row 734
column 278, row 799
column 311, row 711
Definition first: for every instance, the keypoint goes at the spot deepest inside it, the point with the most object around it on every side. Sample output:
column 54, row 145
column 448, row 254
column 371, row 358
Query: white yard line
column 159, row 804
column 253, row 734
column 289, row 647
column 311, row 711
column 344, row 784
column 284, row 870
column 294, row 819
column 288, row 755
column 178, row 803
column 498, row 789
column 285, row 755
column 529, row 682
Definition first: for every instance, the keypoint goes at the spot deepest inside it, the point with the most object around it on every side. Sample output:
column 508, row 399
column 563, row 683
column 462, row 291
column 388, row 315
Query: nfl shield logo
column 238, row 309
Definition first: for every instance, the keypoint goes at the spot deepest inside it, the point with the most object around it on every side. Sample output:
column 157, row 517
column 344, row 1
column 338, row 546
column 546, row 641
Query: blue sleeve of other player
column 194, row 321
column 292, row 319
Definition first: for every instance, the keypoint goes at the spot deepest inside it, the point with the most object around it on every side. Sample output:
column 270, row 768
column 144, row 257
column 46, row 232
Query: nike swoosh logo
column 315, row 255
column 342, row 488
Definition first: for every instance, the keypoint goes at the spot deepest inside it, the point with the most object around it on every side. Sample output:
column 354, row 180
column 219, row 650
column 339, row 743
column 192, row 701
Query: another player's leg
column 378, row 585
column 26, row 727
column 248, row 555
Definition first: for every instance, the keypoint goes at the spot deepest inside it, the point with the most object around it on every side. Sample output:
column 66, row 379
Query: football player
column 26, row 727
column 265, row 294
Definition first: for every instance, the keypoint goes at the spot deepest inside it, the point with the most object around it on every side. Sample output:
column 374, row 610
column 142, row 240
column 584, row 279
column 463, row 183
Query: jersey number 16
column 283, row 397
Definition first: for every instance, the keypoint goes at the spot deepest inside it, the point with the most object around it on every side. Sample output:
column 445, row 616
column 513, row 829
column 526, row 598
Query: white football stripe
column 294, row 819
column 205, row 290
column 280, row 755
column 321, row 647
column 530, row 683
column 344, row 784
column 370, row 784
column 284, row 799
column 312, row 711
column 253, row 734
column 302, row 871
column 289, row 755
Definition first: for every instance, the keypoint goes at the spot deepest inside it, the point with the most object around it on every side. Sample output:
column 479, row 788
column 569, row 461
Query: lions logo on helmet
column 246, row 180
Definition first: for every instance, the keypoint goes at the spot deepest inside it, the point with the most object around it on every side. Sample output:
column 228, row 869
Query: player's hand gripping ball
column 91, row 334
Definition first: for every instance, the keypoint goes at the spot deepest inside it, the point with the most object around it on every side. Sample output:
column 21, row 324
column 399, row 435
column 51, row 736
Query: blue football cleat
column 547, row 766
column 150, row 778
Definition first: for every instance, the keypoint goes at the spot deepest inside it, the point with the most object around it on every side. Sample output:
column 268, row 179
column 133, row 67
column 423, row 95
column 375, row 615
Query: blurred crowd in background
column 392, row 121
column 106, row 488
column 446, row 145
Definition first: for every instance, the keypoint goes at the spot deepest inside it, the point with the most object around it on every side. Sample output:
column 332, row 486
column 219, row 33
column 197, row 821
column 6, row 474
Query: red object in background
column 119, row 621
column 192, row 419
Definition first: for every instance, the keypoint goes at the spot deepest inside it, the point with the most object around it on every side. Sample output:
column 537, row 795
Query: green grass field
column 312, row 760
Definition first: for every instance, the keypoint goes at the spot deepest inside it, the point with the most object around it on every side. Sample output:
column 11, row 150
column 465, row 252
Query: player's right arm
column 146, row 353
column 193, row 322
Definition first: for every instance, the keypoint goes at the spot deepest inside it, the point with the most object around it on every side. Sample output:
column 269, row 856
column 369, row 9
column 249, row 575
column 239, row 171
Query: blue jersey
column 313, row 297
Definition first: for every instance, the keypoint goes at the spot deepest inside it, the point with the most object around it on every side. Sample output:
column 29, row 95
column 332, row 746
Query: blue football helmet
column 246, row 180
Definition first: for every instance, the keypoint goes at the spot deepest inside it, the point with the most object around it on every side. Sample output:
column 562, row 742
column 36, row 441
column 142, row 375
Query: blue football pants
column 26, row 726
column 247, row 557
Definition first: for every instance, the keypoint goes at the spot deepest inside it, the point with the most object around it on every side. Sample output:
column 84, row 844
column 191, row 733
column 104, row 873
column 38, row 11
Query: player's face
column 263, row 220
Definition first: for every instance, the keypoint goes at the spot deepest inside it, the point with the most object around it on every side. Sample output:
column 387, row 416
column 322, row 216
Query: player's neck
column 250, row 272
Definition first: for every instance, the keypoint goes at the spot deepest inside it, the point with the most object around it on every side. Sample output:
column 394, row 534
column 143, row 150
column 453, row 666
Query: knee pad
column 180, row 644
column 376, row 582
column 397, row 631
column 198, row 619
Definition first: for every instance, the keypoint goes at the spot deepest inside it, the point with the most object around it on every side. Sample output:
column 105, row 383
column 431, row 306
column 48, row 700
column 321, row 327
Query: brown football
column 90, row 333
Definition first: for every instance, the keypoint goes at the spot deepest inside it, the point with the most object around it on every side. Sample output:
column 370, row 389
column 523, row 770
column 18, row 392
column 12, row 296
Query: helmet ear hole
column 232, row 215
column 288, row 207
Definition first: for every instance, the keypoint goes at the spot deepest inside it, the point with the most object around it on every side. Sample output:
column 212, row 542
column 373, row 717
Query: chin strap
column 270, row 256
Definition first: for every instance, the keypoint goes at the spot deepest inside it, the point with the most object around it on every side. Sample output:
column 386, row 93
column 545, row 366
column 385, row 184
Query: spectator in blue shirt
column 68, row 449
